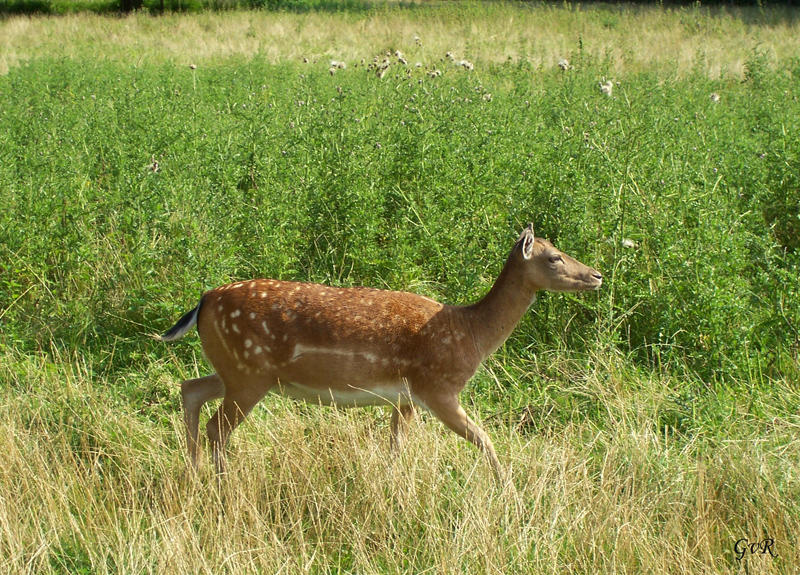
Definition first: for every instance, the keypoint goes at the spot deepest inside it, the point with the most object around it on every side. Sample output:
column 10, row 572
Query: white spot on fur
column 264, row 325
column 248, row 343
column 236, row 313
column 235, row 328
column 221, row 337
column 393, row 393
column 301, row 349
column 237, row 285
column 252, row 315
column 257, row 350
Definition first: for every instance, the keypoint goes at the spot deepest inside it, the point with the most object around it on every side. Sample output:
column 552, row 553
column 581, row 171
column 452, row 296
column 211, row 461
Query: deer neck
column 492, row 319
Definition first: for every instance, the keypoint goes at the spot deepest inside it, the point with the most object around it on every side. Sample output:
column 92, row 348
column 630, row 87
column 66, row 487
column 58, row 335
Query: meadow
column 647, row 427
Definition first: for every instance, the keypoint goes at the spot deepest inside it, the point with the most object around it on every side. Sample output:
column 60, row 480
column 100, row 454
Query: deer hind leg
column 238, row 402
column 401, row 415
column 196, row 392
column 450, row 412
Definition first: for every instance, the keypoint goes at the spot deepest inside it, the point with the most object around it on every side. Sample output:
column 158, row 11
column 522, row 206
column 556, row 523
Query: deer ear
column 527, row 242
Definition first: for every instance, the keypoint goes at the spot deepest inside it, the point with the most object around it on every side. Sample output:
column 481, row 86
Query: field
column 647, row 427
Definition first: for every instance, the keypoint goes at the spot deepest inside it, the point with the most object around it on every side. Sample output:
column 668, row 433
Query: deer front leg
column 450, row 412
column 401, row 415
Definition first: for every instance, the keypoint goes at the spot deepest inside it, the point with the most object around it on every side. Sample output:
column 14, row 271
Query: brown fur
column 362, row 346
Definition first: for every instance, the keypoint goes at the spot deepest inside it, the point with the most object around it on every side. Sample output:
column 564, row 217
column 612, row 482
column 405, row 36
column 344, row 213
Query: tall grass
column 716, row 41
column 90, row 486
column 648, row 426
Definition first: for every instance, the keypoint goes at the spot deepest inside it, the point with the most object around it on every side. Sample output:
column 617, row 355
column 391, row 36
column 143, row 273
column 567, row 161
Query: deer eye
column 556, row 259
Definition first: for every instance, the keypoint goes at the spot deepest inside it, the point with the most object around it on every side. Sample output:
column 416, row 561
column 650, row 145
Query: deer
column 359, row 346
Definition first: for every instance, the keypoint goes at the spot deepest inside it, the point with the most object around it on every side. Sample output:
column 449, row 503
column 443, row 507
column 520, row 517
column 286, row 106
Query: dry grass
column 87, row 487
column 716, row 40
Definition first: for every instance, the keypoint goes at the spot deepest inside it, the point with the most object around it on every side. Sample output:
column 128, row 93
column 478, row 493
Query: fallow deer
column 360, row 346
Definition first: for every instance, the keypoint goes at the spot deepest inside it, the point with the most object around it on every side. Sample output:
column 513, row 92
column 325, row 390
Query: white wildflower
column 563, row 64
column 466, row 64
column 714, row 97
column 629, row 244
column 607, row 87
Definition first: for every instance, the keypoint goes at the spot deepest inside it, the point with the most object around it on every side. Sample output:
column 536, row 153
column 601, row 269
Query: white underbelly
column 352, row 396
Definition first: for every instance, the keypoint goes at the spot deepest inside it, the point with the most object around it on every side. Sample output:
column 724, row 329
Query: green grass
column 648, row 426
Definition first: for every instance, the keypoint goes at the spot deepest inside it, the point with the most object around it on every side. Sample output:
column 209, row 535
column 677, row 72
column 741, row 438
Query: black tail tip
column 184, row 324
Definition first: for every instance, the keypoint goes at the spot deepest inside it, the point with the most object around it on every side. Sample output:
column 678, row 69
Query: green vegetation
column 648, row 426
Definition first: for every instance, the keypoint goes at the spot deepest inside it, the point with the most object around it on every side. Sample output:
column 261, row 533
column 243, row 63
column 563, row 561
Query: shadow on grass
column 45, row 7
column 55, row 7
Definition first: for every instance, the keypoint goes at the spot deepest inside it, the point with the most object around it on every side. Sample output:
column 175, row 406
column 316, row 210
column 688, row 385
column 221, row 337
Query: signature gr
column 743, row 545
